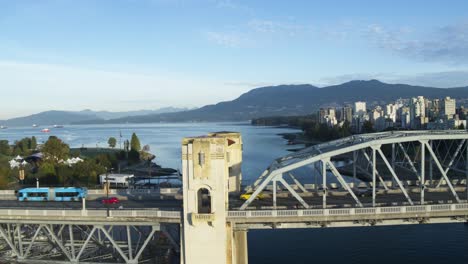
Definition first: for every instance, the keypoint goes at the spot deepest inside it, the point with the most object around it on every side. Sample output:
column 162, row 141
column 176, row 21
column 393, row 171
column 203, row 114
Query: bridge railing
column 92, row 213
column 348, row 211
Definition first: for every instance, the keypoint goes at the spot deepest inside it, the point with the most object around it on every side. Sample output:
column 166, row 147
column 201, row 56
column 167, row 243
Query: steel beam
column 452, row 160
column 422, row 182
column 413, row 168
column 58, row 242
column 343, row 182
column 274, row 194
column 9, row 241
column 376, row 171
column 116, row 246
column 293, row 192
column 444, row 174
column 324, row 184
column 298, row 184
column 402, row 188
column 148, row 239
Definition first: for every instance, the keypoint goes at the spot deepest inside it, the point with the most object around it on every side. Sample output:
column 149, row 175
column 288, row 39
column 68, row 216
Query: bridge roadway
column 340, row 211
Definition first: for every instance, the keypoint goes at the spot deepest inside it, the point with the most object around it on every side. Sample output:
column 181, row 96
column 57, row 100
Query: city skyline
column 129, row 55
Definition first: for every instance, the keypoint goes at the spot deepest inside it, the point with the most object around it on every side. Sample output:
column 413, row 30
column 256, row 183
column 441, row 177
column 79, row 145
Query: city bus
column 59, row 194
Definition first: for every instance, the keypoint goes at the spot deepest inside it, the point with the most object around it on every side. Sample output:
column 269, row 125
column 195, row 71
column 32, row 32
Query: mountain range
column 55, row 117
column 281, row 100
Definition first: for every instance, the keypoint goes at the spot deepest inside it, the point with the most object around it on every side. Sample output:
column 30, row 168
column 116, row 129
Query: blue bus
column 59, row 194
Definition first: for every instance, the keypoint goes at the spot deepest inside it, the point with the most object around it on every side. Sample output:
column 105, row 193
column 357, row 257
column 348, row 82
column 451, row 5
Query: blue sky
column 146, row 54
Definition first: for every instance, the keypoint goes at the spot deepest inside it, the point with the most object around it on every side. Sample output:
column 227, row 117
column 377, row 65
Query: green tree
column 55, row 150
column 461, row 126
column 33, row 144
column 112, row 142
column 367, row 127
column 135, row 143
column 5, row 148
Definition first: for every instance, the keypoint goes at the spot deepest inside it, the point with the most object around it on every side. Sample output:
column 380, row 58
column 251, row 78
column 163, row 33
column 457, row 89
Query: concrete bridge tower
column 211, row 169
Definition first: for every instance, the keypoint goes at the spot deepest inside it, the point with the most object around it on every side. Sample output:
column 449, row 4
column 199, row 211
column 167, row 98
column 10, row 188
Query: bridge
column 390, row 178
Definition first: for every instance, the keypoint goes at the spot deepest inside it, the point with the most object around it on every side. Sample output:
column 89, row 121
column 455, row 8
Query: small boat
column 58, row 126
column 3, row 127
column 45, row 130
column 34, row 125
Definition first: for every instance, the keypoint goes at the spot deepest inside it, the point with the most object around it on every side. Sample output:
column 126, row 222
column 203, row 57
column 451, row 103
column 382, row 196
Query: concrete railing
column 349, row 211
column 92, row 213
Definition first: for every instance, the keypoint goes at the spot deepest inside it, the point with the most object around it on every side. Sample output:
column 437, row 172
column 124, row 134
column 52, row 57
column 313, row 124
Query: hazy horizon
column 131, row 55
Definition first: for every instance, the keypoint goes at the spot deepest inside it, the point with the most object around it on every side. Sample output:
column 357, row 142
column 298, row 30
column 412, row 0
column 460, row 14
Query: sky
column 121, row 55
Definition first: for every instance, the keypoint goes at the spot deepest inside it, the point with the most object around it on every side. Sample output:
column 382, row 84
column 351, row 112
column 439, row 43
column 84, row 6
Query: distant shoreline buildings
column 417, row 113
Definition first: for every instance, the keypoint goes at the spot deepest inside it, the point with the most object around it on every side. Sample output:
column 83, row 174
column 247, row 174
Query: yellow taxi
column 246, row 196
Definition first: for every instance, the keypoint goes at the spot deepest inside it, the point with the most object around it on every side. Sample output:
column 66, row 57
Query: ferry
column 45, row 130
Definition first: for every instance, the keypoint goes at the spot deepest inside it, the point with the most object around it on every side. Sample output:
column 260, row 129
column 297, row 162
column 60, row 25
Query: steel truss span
column 413, row 165
column 41, row 242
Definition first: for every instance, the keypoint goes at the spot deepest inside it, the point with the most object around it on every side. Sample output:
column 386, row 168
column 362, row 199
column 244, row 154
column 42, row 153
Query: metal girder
column 452, row 160
column 293, row 192
column 405, row 154
column 402, row 188
column 298, row 184
column 423, row 171
column 116, row 246
column 8, row 240
column 444, row 174
column 342, row 181
column 57, row 241
column 32, row 241
column 260, row 188
column 376, row 171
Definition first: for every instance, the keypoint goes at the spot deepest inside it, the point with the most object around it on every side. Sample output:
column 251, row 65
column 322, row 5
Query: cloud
column 228, row 39
column 277, row 27
column 448, row 44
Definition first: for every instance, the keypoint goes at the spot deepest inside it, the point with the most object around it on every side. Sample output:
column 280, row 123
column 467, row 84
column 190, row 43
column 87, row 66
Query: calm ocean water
column 443, row 243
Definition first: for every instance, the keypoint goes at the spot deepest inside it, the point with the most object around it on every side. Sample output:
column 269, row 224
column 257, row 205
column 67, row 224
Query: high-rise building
column 346, row 114
column 417, row 112
column 447, row 109
column 360, row 108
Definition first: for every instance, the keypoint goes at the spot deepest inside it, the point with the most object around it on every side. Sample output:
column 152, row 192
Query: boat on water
column 34, row 125
column 3, row 127
column 45, row 130
column 58, row 126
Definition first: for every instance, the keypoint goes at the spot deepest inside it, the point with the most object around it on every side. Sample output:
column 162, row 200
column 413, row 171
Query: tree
column 55, row 150
column 135, row 143
column 367, row 127
column 112, row 142
column 461, row 126
column 5, row 148
column 33, row 144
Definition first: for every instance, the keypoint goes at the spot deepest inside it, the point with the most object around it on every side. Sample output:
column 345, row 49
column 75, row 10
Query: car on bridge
column 111, row 200
column 246, row 196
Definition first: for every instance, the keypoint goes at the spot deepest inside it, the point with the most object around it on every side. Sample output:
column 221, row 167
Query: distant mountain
column 49, row 118
column 55, row 117
column 284, row 100
column 113, row 115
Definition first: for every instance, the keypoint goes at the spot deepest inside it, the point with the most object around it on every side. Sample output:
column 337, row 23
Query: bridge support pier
column 210, row 166
column 240, row 249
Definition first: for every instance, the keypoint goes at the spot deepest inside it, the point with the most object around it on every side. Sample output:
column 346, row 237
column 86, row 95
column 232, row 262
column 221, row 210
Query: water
column 441, row 243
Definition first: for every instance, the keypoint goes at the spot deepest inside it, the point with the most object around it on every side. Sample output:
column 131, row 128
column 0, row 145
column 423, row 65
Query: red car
column 111, row 200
